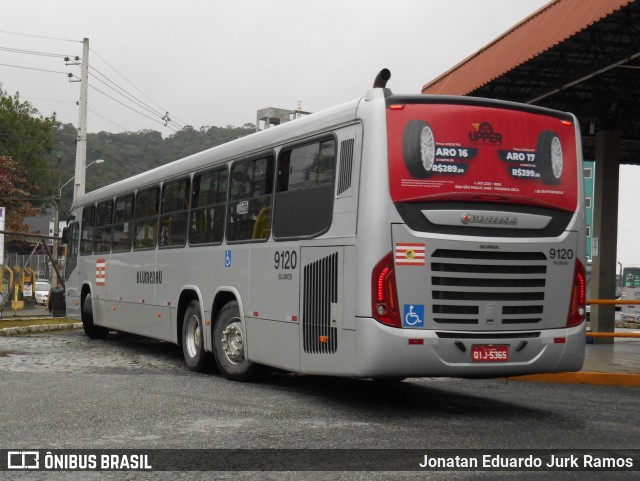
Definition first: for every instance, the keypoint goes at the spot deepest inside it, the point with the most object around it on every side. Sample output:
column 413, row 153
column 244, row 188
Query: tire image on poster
column 549, row 157
column 419, row 148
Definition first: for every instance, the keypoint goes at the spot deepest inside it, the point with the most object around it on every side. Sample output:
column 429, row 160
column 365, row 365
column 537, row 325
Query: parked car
column 43, row 287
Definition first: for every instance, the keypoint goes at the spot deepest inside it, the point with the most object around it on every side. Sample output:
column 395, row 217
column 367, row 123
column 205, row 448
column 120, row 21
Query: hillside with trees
column 130, row 153
column 32, row 147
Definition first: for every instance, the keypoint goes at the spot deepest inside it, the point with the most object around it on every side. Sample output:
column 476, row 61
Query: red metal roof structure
column 581, row 56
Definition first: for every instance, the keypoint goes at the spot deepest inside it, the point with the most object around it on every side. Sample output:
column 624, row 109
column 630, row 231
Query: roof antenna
column 382, row 78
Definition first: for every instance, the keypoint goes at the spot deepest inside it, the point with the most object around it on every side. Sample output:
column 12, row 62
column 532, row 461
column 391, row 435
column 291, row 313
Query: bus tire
column 419, row 148
column 228, row 345
column 193, row 338
column 549, row 157
column 90, row 329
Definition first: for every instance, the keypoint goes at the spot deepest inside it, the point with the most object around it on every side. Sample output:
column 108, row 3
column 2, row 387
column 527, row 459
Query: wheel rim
column 427, row 148
column 557, row 159
column 194, row 336
column 232, row 342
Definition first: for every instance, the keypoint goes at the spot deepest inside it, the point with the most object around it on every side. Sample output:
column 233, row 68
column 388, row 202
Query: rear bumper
column 385, row 351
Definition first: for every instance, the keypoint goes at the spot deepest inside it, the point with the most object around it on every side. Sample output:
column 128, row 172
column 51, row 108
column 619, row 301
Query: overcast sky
column 217, row 62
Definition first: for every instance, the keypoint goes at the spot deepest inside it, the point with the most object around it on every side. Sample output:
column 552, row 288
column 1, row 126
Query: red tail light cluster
column 578, row 308
column 384, row 294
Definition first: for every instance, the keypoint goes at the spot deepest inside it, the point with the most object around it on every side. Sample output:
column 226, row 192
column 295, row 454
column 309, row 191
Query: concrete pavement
column 614, row 364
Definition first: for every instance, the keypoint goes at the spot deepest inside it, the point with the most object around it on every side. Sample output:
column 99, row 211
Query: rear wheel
column 193, row 339
column 228, row 345
column 90, row 329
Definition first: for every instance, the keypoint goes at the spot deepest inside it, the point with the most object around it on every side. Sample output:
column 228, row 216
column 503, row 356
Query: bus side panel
column 132, row 280
column 272, row 307
column 273, row 343
column 169, row 277
column 120, row 311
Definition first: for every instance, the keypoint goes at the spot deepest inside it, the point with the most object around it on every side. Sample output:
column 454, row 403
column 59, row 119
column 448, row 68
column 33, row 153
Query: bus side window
column 249, row 209
column 175, row 211
column 87, row 232
column 123, row 223
column 103, row 227
column 146, row 218
column 209, row 202
column 303, row 205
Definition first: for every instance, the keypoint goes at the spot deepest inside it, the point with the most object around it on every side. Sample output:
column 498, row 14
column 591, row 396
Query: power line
column 33, row 68
column 162, row 117
column 32, row 52
column 50, row 100
column 116, row 88
column 130, row 108
column 108, row 120
column 129, row 82
column 40, row 36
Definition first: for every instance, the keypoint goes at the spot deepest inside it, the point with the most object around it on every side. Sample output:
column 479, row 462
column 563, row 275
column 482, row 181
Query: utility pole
column 81, row 148
column 56, row 220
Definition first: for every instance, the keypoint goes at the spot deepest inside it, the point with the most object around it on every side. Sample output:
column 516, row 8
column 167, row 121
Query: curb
column 596, row 378
column 12, row 331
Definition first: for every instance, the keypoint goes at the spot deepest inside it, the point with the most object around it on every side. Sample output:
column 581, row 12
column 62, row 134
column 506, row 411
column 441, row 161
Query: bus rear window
column 466, row 153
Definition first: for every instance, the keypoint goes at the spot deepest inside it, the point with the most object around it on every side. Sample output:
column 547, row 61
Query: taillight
column 384, row 298
column 577, row 308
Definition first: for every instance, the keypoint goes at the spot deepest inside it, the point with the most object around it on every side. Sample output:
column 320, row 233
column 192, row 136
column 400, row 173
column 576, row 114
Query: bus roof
column 245, row 146
column 285, row 133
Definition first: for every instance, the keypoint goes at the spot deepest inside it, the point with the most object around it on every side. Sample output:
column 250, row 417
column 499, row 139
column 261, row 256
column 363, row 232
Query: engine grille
column 474, row 287
column 320, row 292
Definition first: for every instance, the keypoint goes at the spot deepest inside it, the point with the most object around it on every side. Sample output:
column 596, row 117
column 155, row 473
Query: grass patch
column 9, row 322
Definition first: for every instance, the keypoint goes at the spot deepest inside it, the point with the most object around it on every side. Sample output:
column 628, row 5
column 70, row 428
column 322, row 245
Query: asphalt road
column 64, row 391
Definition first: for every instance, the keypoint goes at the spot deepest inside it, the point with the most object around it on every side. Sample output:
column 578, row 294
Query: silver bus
column 393, row 236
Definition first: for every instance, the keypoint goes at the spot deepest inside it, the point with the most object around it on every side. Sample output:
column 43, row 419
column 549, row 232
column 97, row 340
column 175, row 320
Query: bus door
column 72, row 288
column 273, row 311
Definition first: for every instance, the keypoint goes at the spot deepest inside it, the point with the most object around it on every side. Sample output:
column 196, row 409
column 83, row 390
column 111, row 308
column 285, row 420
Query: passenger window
column 175, row 212
column 249, row 211
column 123, row 224
column 103, row 227
column 209, row 206
column 146, row 218
column 86, row 234
column 303, row 206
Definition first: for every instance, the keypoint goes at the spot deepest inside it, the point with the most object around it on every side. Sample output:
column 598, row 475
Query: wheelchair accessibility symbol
column 413, row 315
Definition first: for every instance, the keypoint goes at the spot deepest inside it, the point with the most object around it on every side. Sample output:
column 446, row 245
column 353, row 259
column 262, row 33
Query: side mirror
column 65, row 235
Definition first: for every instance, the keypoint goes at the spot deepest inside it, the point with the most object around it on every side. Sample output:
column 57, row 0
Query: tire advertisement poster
column 475, row 153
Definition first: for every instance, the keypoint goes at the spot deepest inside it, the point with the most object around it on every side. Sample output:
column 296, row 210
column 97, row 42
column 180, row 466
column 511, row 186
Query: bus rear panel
column 484, row 273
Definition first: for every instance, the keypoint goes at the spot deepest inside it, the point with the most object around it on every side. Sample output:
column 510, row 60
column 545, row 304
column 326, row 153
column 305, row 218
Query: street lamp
column 99, row 161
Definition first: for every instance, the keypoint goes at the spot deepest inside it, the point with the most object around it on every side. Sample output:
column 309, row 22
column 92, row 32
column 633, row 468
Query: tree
column 27, row 137
column 15, row 195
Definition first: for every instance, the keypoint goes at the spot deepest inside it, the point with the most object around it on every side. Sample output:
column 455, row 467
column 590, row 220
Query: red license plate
column 489, row 353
